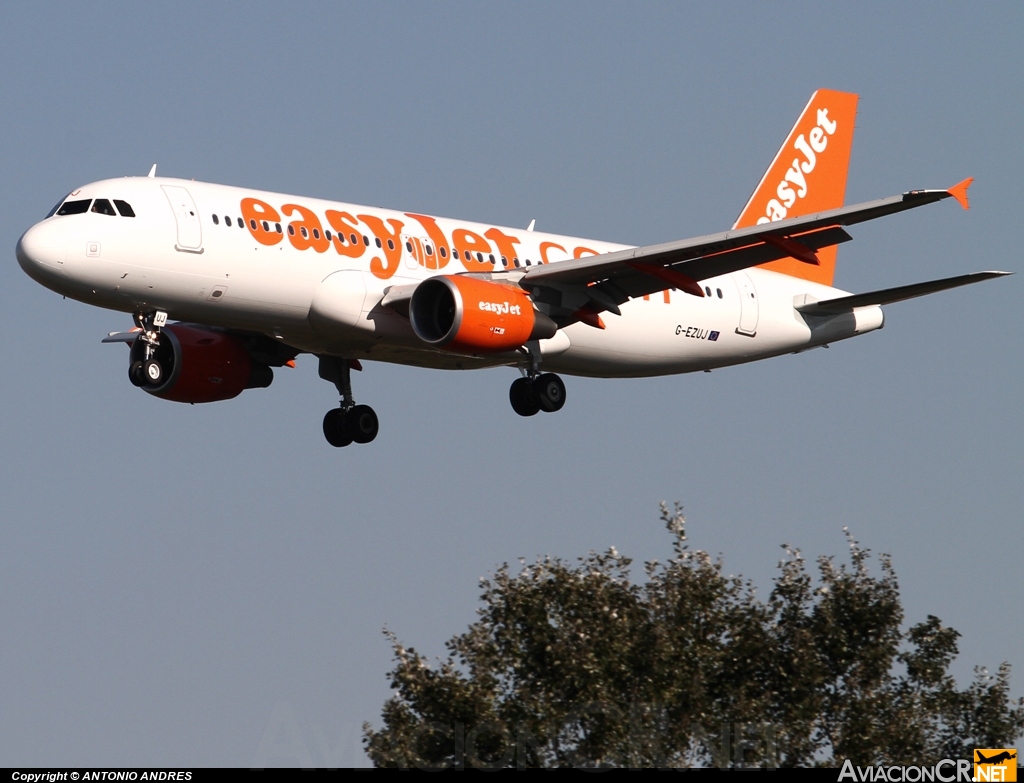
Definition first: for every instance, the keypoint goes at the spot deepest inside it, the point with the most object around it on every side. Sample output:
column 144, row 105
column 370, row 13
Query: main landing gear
column 348, row 423
column 145, row 368
column 545, row 392
column 536, row 391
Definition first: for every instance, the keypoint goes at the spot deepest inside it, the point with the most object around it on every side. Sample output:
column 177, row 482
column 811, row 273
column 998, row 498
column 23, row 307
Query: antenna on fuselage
column 152, row 172
column 532, row 224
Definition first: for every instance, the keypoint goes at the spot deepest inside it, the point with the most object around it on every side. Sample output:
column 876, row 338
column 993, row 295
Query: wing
column 596, row 283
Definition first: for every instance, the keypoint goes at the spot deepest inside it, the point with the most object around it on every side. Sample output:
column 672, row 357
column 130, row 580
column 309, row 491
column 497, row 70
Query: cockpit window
column 56, row 206
column 75, row 207
column 124, row 208
column 103, row 207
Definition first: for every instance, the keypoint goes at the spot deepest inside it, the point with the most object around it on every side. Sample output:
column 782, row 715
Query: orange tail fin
column 808, row 175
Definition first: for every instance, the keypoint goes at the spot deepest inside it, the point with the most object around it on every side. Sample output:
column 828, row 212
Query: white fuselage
column 324, row 296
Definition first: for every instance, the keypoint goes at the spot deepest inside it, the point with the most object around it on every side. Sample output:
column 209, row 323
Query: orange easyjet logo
column 357, row 235
column 794, row 184
column 807, row 176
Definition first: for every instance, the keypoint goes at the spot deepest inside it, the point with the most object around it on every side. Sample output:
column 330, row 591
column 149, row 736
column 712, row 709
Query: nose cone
column 41, row 251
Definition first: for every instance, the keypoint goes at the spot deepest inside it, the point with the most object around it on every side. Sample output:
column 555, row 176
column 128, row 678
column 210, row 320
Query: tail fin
column 808, row 175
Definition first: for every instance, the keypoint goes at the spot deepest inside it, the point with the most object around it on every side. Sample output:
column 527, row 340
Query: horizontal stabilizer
column 889, row 295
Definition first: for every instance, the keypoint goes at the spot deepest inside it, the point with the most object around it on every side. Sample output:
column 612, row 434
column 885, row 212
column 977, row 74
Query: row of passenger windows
column 228, row 221
column 354, row 239
column 100, row 206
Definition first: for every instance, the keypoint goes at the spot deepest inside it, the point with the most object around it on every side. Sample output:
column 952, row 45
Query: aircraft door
column 190, row 231
column 748, row 304
column 418, row 252
column 409, row 248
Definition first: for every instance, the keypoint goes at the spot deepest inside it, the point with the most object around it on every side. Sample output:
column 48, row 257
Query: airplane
column 253, row 279
column 996, row 759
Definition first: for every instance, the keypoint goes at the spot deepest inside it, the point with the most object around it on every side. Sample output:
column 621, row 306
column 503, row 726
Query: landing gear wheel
column 153, row 372
column 549, row 391
column 523, row 397
column 362, row 423
column 135, row 374
column 336, row 428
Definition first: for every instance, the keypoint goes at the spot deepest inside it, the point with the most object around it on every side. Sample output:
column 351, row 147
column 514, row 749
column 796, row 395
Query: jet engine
column 200, row 365
column 467, row 315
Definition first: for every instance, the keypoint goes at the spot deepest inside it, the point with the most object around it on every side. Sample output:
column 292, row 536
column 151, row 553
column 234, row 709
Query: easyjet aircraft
column 252, row 279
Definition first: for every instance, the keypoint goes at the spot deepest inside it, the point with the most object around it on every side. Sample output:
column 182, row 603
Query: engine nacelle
column 202, row 365
column 467, row 315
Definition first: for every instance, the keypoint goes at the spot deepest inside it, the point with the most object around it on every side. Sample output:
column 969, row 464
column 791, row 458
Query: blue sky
column 177, row 580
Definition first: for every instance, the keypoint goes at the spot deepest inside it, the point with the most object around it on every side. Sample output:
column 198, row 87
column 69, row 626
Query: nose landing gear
column 145, row 369
column 348, row 423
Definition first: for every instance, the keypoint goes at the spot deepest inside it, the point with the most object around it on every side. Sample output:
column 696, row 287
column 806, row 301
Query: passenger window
column 391, row 244
column 316, row 233
column 456, row 254
column 719, row 292
column 327, row 233
column 707, row 290
column 430, row 250
column 277, row 227
column 227, row 221
column 527, row 262
column 216, row 220
column 491, row 258
column 241, row 223
column 302, row 230
column 291, row 231
column 266, row 226
column 366, row 240
column 103, row 207
column 252, row 223
column 504, row 261
column 444, row 253
column 126, row 209
column 408, row 246
column 352, row 238
column 74, row 207
column 377, row 240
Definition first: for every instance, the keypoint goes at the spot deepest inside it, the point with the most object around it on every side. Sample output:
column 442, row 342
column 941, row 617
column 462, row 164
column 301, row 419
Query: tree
column 576, row 664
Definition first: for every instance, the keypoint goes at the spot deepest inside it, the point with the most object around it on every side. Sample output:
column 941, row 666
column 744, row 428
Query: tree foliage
column 577, row 664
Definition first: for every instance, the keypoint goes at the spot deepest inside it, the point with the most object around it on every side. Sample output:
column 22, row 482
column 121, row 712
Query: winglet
column 959, row 192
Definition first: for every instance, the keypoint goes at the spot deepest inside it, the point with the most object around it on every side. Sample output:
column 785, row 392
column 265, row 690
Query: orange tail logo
column 808, row 175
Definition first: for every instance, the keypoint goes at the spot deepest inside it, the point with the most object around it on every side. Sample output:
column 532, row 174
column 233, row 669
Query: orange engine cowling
column 202, row 365
column 467, row 315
